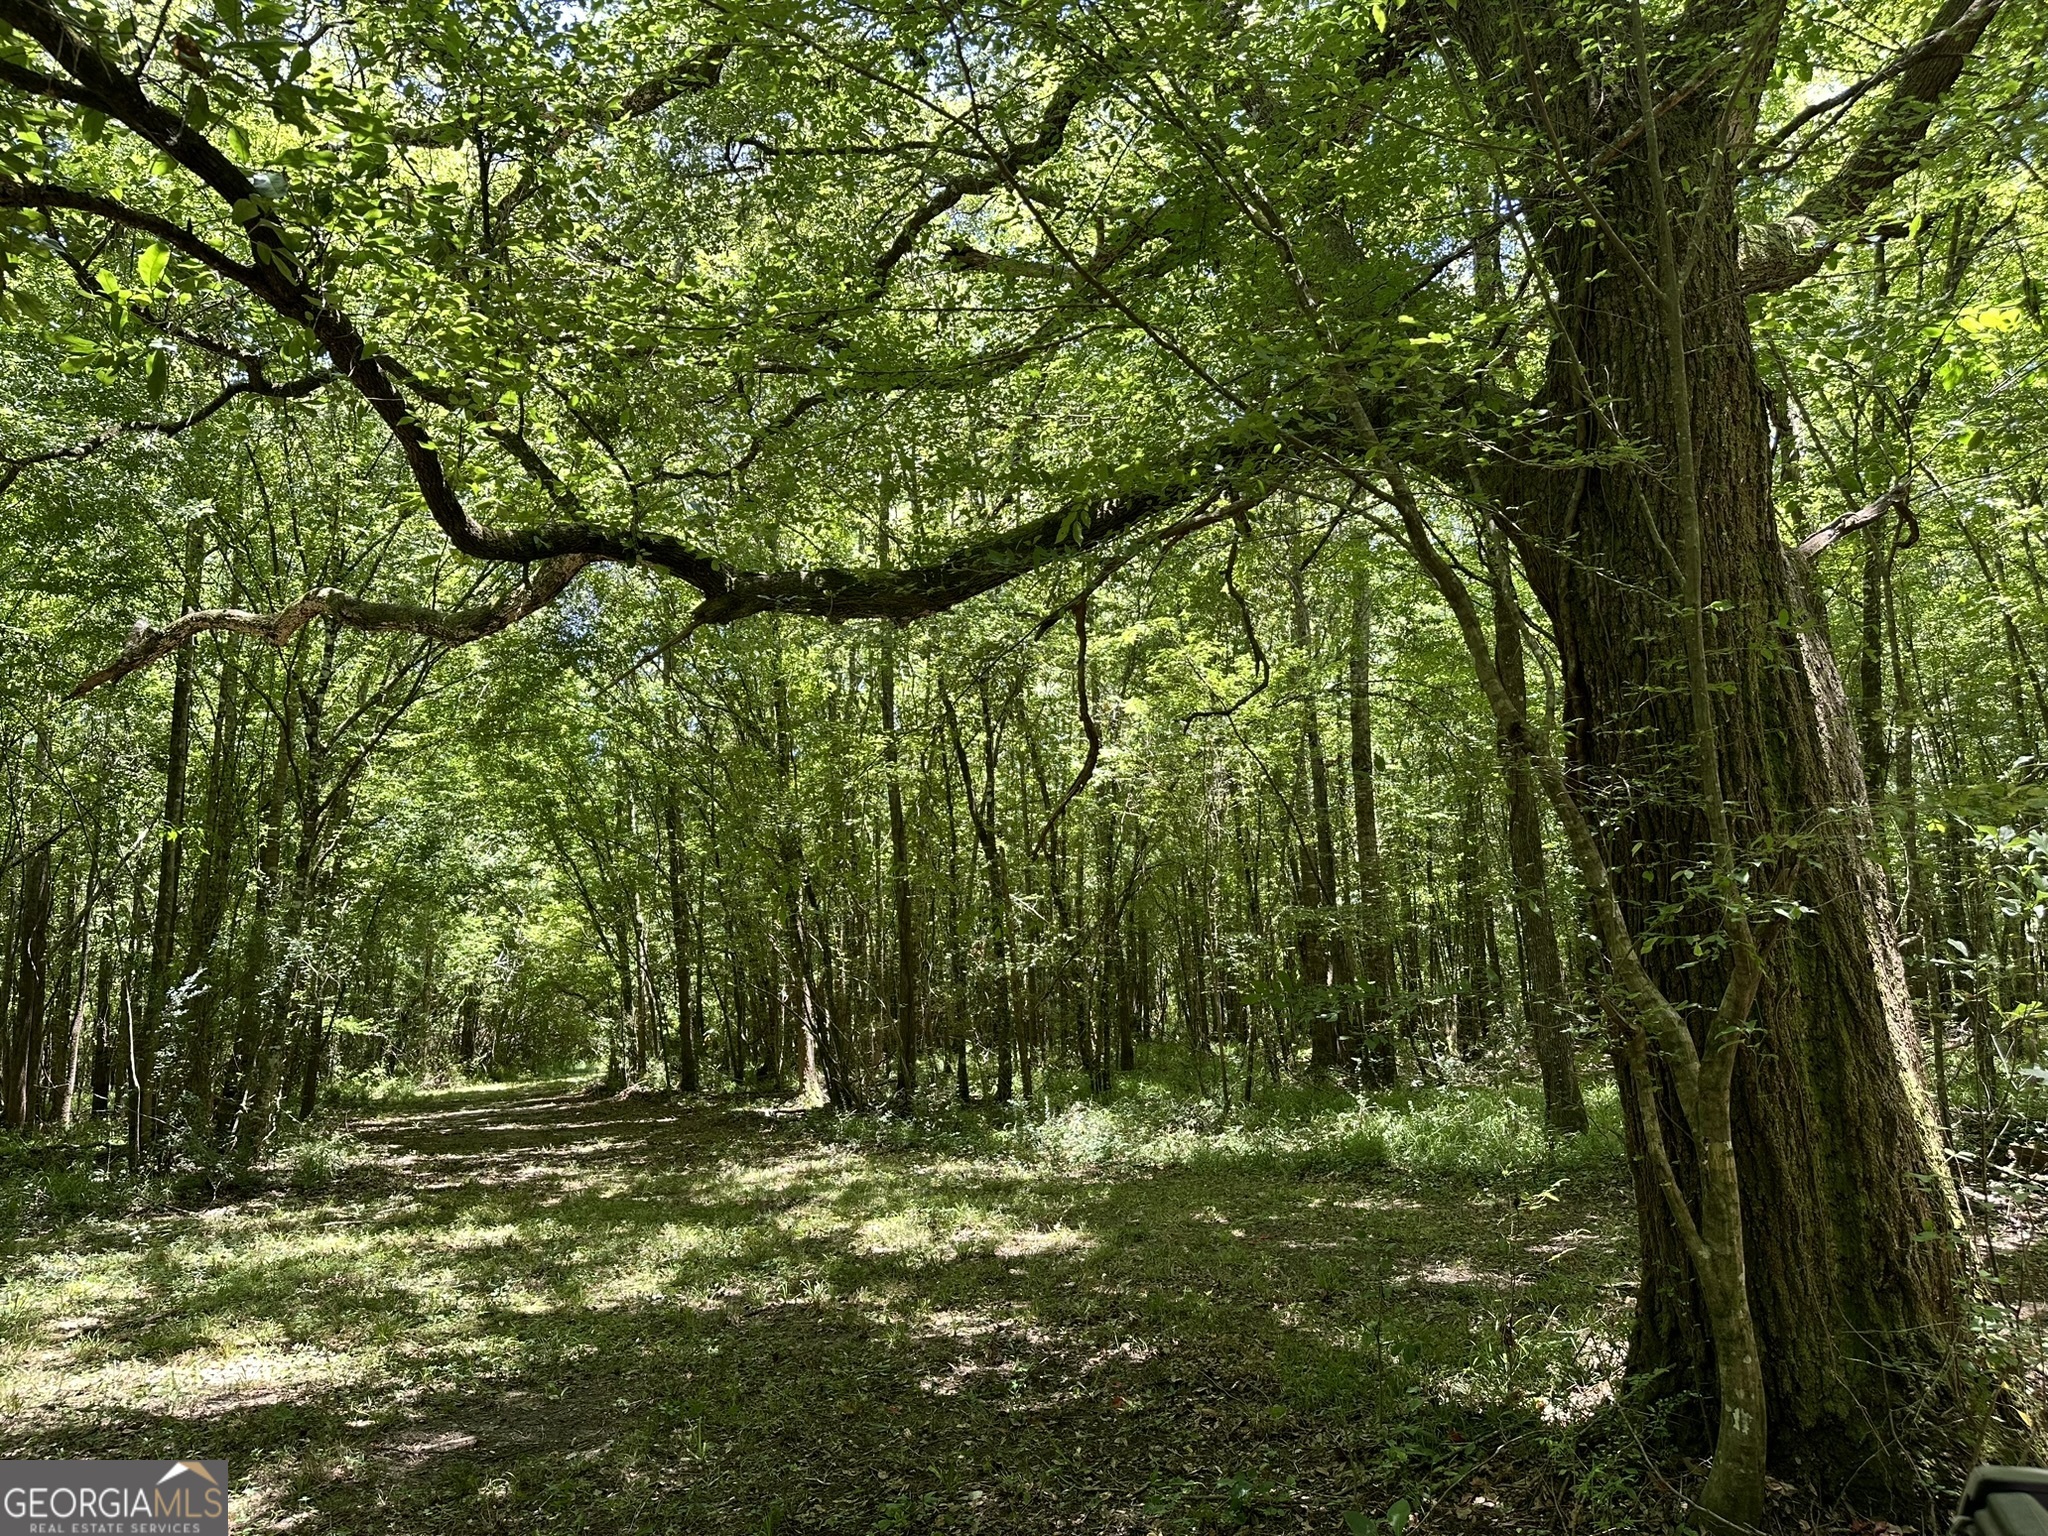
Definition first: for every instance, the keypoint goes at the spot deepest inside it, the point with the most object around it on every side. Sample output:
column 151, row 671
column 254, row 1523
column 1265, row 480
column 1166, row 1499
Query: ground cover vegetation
column 1227, row 597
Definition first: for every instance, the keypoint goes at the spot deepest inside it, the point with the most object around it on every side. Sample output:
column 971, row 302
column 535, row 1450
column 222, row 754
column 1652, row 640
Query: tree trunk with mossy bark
column 1854, row 1261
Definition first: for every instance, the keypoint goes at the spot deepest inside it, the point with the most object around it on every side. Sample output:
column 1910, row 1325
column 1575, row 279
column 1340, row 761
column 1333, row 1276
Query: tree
column 1126, row 278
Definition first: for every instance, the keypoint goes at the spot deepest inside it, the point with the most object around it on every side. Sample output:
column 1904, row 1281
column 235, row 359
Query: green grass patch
column 492, row 1308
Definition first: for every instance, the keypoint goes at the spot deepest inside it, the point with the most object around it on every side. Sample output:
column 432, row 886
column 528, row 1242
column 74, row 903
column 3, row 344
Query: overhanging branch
column 448, row 626
column 1895, row 499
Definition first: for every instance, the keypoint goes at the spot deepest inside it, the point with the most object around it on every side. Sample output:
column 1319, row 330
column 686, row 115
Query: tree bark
column 1854, row 1260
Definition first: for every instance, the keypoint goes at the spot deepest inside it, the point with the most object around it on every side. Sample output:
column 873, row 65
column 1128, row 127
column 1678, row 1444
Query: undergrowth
column 1478, row 1130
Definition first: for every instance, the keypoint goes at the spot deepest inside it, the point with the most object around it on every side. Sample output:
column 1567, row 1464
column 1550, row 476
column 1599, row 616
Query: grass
column 523, row 1309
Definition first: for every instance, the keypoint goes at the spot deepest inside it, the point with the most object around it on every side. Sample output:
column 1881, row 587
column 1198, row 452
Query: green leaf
column 150, row 266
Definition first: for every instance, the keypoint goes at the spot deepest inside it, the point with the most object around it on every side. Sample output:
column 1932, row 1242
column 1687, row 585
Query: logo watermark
column 113, row 1498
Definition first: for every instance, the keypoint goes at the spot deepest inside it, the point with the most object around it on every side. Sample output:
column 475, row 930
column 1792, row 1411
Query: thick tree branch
column 699, row 72
column 34, row 82
column 832, row 593
column 1784, row 254
column 98, row 82
column 276, row 280
column 48, row 198
column 565, row 546
column 917, row 592
column 1894, row 499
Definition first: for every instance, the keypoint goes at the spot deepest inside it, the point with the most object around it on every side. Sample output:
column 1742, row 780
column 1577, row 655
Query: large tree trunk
column 1850, row 1236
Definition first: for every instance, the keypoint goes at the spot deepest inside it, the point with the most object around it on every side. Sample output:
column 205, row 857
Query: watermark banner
column 113, row 1498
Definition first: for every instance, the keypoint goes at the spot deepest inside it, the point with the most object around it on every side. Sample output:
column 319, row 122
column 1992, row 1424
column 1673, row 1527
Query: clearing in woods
column 524, row 1309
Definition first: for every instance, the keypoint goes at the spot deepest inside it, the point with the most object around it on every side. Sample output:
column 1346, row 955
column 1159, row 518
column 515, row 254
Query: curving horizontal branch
column 913, row 592
column 448, row 626
column 832, row 593
column 46, row 197
column 562, row 547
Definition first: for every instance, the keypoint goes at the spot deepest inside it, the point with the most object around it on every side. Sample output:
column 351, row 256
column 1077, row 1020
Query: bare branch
column 1891, row 501
column 456, row 626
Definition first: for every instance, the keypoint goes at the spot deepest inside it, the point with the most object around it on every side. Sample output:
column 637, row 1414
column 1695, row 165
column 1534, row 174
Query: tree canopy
column 1361, row 540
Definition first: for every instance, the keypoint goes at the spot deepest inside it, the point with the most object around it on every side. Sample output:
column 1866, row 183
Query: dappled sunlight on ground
column 549, row 1312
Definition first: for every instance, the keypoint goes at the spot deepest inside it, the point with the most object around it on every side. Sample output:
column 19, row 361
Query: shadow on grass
column 549, row 1313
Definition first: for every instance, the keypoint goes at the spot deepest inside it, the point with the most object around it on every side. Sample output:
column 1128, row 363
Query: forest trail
column 527, row 1310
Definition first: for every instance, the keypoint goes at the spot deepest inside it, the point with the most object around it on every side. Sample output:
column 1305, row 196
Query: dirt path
column 526, row 1311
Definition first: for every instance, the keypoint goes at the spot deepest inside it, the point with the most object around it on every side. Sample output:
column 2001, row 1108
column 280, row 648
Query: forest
column 1073, row 765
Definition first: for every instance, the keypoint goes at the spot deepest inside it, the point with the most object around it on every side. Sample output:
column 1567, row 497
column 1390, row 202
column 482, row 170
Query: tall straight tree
column 1375, row 921
column 903, row 991
column 144, row 1112
column 1564, row 1104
